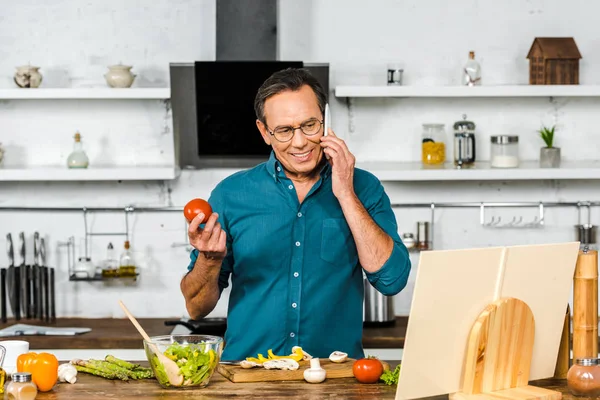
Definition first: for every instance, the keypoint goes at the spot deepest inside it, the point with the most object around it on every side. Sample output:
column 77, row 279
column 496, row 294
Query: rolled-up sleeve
column 218, row 206
column 392, row 277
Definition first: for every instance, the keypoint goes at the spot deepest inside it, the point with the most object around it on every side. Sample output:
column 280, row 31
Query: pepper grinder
column 585, row 305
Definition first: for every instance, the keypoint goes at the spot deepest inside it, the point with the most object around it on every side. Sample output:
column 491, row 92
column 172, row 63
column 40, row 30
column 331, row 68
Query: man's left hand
column 342, row 165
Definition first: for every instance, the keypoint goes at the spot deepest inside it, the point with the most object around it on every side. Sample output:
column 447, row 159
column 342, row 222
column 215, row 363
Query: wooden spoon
column 171, row 368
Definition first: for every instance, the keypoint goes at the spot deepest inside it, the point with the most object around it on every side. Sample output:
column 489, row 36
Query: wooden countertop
column 112, row 333
column 90, row 387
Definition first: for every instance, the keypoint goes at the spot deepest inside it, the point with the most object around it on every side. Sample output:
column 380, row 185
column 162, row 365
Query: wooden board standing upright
column 454, row 287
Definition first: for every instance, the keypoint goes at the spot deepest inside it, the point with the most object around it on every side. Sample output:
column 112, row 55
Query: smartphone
column 326, row 120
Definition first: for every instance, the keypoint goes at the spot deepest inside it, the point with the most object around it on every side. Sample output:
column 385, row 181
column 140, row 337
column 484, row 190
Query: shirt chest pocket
column 337, row 243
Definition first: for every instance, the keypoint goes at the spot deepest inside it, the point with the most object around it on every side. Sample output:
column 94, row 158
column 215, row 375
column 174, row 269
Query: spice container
column 464, row 143
column 583, row 378
column 21, row 387
column 433, row 146
column 504, row 151
column 409, row 240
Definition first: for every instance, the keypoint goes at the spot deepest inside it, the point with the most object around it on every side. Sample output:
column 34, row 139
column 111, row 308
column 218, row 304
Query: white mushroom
column 338, row 357
column 282, row 363
column 306, row 355
column 67, row 373
column 248, row 364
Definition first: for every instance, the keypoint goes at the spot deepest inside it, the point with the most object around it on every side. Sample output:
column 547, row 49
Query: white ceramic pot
column 28, row 76
column 119, row 76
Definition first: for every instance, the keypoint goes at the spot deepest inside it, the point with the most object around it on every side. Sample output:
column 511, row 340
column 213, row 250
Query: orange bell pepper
column 43, row 368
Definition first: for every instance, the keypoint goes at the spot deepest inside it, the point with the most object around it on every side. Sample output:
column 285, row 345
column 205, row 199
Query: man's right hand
column 211, row 241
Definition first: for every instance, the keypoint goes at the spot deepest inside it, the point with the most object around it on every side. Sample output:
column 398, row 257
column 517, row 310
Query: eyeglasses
column 286, row 133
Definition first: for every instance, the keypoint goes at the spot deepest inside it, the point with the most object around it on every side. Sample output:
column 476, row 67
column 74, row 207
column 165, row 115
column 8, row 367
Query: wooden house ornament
column 554, row 61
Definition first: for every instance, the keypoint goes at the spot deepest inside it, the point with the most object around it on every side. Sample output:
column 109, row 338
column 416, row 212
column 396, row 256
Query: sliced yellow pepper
column 261, row 359
column 297, row 356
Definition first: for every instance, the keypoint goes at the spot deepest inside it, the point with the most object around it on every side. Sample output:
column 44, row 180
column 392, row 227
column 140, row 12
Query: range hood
column 246, row 30
column 212, row 101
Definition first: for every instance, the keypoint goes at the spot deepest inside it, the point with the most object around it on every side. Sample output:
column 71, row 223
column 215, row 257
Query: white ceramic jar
column 119, row 76
column 28, row 76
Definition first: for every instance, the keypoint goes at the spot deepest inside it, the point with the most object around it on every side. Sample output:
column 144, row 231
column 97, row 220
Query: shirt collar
column 275, row 169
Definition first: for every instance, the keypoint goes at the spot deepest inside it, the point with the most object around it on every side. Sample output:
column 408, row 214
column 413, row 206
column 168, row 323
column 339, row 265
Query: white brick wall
column 74, row 42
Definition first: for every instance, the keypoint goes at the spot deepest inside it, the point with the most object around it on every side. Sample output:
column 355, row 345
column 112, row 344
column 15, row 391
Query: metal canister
column 464, row 143
column 423, row 235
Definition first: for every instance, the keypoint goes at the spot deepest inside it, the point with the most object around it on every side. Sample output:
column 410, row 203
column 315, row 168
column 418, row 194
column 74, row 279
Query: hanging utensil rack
column 516, row 222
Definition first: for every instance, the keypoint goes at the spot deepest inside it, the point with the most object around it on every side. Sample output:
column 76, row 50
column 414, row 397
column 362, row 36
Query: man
column 295, row 234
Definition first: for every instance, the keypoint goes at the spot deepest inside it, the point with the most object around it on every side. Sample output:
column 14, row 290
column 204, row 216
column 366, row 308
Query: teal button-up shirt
column 295, row 273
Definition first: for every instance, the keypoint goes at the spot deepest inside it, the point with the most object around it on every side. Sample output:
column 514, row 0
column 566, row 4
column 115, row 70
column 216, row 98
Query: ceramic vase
column 28, row 76
column 119, row 76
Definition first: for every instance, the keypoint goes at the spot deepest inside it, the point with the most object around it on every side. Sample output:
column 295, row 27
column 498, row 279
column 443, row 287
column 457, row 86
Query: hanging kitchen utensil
column 25, row 279
column 12, row 279
column 45, row 313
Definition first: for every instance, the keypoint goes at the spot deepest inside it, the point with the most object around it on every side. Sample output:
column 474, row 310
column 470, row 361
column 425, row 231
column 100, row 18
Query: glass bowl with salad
column 185, row 361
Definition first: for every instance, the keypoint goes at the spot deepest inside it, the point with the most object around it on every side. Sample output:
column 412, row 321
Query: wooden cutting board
column 237, row 374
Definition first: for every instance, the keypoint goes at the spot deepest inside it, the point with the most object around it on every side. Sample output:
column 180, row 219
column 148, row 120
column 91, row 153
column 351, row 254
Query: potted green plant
column 549, row 155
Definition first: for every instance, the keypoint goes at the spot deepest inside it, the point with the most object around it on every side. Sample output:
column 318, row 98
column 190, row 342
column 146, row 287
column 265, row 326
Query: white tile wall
column 73, row 42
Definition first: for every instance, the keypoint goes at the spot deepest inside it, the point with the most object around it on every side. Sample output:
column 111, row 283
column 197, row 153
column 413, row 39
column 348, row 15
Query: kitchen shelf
column 84, row 93
column 58, row 173
column 466, row 91
column 528, row 170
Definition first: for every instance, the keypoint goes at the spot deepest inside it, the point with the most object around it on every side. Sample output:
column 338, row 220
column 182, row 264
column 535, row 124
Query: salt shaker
column 21, row 387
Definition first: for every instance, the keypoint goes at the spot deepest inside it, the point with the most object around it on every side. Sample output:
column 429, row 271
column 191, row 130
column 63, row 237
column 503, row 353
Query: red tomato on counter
column 194, row 207
column 367, row 370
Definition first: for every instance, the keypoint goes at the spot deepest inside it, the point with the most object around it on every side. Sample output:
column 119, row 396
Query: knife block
column 498, row 355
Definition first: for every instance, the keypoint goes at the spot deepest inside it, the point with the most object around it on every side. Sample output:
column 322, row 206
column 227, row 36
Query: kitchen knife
column 230, row 362
column 45, row 281
column 25, row 279
column 12, row 281
column 52, row 297
column 37, row 278
column 3, row 294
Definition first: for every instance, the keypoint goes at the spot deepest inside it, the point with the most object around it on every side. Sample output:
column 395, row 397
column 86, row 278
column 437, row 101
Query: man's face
column 300, row 155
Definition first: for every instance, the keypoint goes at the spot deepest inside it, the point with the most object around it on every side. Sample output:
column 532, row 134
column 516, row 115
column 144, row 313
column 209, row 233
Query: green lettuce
column 391, row 377
column 195, row 363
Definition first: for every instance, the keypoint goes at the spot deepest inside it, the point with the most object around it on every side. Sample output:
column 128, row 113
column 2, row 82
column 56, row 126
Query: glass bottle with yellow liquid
column 126, row 263
column 2, row 371
column 111, row 264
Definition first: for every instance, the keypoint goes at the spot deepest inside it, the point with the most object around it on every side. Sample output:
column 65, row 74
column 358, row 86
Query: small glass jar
column 433, row 144
column 504, row 151
column 21, row 387
column 583, row 378
column 409, row 240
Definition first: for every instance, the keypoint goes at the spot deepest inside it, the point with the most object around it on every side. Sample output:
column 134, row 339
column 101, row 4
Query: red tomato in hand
column 367, row 370
column 195, row 207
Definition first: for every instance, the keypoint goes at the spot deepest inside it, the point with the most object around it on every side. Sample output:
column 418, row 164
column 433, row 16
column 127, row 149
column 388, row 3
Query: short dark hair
column 287, row 79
